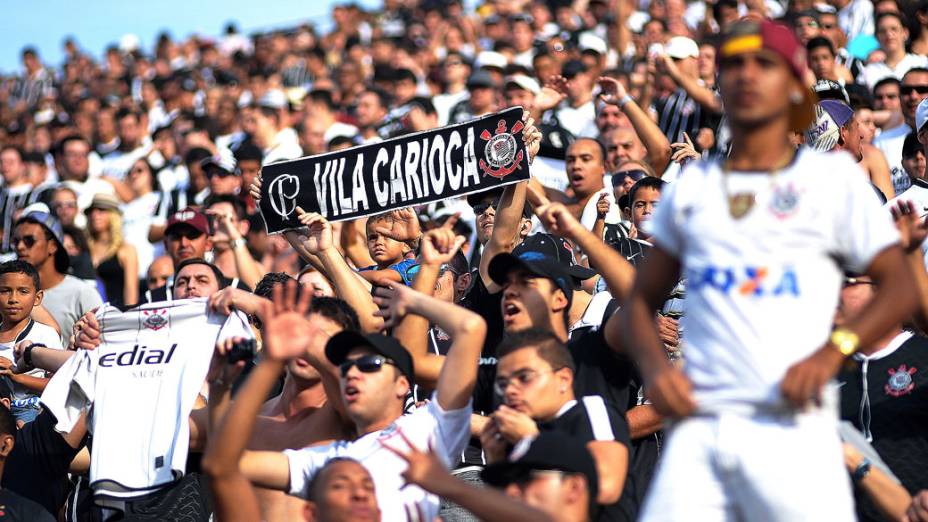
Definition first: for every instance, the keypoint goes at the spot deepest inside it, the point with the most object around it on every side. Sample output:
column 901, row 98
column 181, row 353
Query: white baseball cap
column 491, row 59
column 680, row 47
column 590, row 42
column 921, row 115
column 524, row 82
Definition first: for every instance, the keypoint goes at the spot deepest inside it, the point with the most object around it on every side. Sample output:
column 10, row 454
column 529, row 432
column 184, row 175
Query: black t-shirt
column 37, row 468
column 480, row 301
column 592, row 418
column 15, row 508
column 897, row 387
column 599, row 369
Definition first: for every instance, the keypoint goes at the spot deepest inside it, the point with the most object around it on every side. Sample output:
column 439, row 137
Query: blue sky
column 97, row 23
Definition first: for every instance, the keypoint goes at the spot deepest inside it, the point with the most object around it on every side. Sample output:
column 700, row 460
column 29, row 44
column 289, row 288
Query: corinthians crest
column 155, row 319
column 900, row 381
column 501, row 151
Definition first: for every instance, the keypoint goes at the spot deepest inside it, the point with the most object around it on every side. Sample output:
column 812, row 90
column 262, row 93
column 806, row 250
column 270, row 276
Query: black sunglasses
column 482, row 207
column 367, row 364
column 189, row 234
column 909, row 89
column 619, row 178
column 29, row 241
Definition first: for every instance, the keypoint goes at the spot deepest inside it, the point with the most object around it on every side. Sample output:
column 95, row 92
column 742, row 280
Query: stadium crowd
column 606, row 341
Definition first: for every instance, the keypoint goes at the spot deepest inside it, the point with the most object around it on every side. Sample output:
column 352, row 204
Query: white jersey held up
column 762, row 289
column 139, row 386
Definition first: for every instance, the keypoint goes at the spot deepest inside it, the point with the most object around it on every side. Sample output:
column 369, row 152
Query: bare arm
column 129, row 259
column 889, row 496
column 643, row 421
column 656, row 143
column 48, row 359
column 466, row 329
column 878, row 168
column 611, row 458
column 505, row 228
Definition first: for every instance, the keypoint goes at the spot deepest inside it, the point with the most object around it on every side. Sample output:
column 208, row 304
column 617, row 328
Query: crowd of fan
column 136, row 179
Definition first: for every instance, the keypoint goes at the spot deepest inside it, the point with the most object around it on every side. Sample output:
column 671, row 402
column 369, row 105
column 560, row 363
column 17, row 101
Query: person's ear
column 39, row 295
column 842, row 136
column 7, row 403
column 464, row 281
column 560, row 301
column 243, row 227
column 627, row 214
column 574, row 487
column 6, row 444
column 565, row 379
column 310, row 511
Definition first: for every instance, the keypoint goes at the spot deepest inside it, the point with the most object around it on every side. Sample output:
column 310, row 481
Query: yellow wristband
column 846, row 341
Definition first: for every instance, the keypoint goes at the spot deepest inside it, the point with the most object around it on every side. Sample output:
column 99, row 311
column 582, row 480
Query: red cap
column 191, row 217
column 749, row 36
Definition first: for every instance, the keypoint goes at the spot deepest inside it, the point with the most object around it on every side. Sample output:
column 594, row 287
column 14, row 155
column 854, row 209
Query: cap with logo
column 556, row 248
column 45, row 219
column 680, row 47
column 830, row 116
column 340, row 345
column 535, row 263
column 830, row 90
column 748, row 36
column 549, row 451
column 189, row 217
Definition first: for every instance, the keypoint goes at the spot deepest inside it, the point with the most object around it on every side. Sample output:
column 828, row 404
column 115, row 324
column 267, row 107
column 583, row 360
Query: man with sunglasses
column 884, row 393
column 535, row 380
column 912, row 90
column 38, row 240
column 376, row 375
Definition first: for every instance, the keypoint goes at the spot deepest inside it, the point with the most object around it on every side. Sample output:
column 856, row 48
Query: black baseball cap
column 535, row 263
column 556, row 248
column 549, row 451
column 338, row 347
column 573, row 68
column 494, row 194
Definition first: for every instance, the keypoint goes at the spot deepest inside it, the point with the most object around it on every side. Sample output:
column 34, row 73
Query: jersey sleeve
column 304, row 463
column 665, row 231
column 70, row 392
column 452, row 430
column 605, row 420
column 862, row 227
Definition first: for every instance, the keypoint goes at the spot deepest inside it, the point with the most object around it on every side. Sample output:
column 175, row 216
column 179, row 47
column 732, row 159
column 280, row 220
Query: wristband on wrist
column 27, row 353
column 625, row 99
column 862, row 470
column 846, row 341
column 240, row 242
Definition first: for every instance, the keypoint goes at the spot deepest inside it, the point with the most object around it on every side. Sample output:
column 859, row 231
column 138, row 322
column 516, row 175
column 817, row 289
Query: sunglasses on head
column 909, row 89
column 29, row 241
column 619, row 178
column 366, row 363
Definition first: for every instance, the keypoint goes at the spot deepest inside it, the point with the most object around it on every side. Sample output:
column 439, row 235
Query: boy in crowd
column 20, row 293
column 391, row 240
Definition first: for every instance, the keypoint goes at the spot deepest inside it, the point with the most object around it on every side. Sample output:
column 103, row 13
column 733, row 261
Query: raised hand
column 912, row 228
column 611, row 91
column 553, row 93
column 394, row 302
column 221, row 373
column 287, row 332
column 684, row 151
column 404, row 226
column 558, row 220
column 439, row 245
column 85, row 334
column 602, row 205
column 255, row 189
column 319, row 231
column 531, row 136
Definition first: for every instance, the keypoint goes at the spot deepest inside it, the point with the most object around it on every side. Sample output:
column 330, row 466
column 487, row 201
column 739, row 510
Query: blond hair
column 116, row 239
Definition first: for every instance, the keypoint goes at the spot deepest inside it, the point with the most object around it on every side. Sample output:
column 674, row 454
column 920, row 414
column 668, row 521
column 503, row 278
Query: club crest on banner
column 283, row 191
column 502, row 152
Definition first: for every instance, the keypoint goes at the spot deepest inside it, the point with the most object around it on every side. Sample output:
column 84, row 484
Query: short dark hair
column 336, row 310
column 820, row 41
column 315, row 483
column 911, row 146
column 196, row 155
column 221, row 279
column 889, row 80
column 546, row 345
column 717, row 8
column 323, row 96
column 646, row 182
column 917, row 70
column 599, row 145
column 125, row 112
column 338, row 141
column 17, row 266
column 885, row 14
column 248, row 152
column 382, row 97
column 19, row 151
column 265, row 287
column 240, row 211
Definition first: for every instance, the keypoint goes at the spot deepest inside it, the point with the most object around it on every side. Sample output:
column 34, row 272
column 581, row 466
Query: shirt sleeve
column 70, row 392
column 605, row 420
column 304, row 463
column 863, row 228
column 452, row 430
column 89, row 299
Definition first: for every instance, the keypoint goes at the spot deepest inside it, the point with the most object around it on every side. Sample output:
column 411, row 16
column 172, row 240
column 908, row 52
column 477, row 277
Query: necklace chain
column 741, row 203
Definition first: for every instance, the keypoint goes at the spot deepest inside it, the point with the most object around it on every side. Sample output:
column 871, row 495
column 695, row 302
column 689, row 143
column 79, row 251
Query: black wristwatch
column 863, row 469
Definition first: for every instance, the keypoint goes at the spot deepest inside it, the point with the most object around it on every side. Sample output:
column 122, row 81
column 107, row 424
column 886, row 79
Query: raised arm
column 249, row 270
column 914, row 231
column 466, row 329
column 438, row 247
column 702, row 95
column 658, row 146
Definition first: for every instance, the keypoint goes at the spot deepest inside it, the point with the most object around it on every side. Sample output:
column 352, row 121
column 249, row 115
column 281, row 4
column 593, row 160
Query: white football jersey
column 139, row 386
column 447, row 431
column 762, row 290
column 37, row 333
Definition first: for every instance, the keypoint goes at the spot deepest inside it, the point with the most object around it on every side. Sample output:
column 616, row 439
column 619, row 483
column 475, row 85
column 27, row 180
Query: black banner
column 409, row 170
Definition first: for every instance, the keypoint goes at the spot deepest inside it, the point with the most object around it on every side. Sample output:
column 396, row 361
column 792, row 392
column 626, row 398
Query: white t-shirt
column 918, row 194
column 137, row 217
column 875, row 72
column 447, row 431
column 762, row 290
column 37, row 333
column 139, row 386
column 890, row 143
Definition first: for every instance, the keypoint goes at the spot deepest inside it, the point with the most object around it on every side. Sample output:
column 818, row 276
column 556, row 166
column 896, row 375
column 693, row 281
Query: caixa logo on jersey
column 756, row 281
column 143, row 361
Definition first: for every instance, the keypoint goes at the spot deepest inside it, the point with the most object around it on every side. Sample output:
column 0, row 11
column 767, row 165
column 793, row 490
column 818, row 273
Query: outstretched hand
column 423, row 469
column 287, row 332
column 684, row 151
column 319, row 231
column 553, row 93
column 394, row 302
column 440, row 245
column 611, row 91
column 912, row 228
column 404, row 226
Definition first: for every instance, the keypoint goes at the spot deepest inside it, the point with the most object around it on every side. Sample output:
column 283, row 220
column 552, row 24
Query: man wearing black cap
column 39, row 241
column 758, row 307
column 483, row 89
column 376, row 375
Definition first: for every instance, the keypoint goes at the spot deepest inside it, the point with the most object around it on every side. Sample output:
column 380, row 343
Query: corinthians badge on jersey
column 900, row 381
column 502, row 151
column 155, row 319
column 785, row 201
